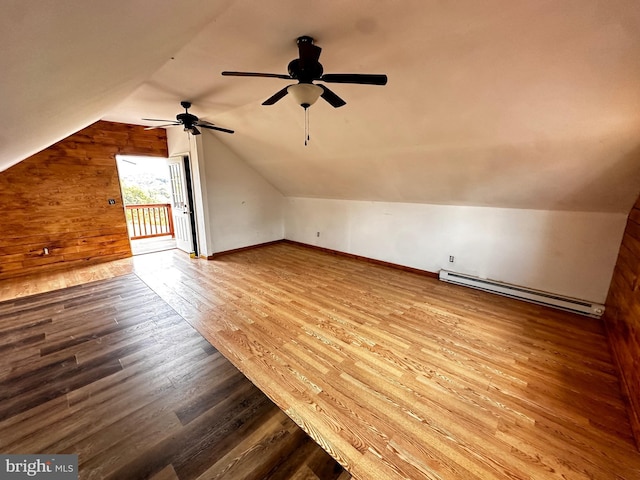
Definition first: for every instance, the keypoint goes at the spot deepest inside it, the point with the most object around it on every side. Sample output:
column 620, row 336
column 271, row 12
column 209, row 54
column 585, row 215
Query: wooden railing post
column 152, row 220
column 170, row 216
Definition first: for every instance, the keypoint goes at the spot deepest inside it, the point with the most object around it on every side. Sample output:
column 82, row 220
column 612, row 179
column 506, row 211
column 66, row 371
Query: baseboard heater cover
column 574, row 305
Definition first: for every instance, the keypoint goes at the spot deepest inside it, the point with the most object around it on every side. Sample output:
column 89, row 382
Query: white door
column 180, row 207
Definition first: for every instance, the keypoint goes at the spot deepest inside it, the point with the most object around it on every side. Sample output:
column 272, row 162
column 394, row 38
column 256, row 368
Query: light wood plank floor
column 402, row 376
column 109, row 371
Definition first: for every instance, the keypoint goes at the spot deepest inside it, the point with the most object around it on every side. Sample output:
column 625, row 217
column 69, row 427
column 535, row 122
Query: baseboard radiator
column 574, row 305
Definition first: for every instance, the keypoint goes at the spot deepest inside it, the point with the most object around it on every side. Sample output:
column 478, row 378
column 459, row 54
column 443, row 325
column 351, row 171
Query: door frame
column 186, row 159
column 136, row 158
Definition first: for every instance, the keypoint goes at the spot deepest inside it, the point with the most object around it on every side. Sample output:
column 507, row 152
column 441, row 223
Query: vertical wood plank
column 622, row 317
column 58, row 198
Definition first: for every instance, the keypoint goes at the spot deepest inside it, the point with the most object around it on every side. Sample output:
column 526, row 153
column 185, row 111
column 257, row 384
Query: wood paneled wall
column 59, row 199
column 622, row 316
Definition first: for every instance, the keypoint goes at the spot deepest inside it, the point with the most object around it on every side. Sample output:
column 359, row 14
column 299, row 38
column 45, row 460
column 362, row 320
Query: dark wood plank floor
column 108, row 370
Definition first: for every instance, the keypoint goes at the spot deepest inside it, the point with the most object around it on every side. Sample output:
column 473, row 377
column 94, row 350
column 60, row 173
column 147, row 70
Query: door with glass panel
column 181, row 208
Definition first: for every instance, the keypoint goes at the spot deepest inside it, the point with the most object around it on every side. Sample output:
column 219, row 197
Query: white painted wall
column 243, row 208
column 177, row 142
column 569, row 253
column 235, row 206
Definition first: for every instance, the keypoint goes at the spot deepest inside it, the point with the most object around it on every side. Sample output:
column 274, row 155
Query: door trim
column 191, row 203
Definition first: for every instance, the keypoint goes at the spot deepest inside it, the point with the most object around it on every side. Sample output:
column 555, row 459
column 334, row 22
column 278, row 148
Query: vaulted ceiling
column 528, row 104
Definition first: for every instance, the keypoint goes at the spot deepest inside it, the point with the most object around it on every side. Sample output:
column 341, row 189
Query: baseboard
column 364, row 259
column 241, row 249
column 326, row 250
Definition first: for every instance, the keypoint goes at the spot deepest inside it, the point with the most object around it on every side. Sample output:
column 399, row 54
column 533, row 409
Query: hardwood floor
column 19, row 287
column 402, row 376
column 395, row 374
column 143, row 246
column 109, row 371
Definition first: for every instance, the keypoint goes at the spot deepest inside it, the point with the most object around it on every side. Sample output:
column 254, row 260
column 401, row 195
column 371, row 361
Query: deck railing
column 150, row 220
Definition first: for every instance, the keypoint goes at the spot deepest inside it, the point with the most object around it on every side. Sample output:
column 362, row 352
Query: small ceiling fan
column 189, row 121
column 306, row 69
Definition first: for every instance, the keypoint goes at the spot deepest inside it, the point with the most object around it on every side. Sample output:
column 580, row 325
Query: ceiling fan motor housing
column 305, row 73
column 187, row 119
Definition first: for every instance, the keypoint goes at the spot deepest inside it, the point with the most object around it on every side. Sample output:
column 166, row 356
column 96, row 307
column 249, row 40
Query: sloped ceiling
column 529, row 104
column 65, row 64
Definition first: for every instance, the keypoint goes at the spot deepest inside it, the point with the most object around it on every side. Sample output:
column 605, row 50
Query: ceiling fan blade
column 193, row 130
column 256, row 74
column 213, row 127
column 275, row 97
column 333, row 99
column 162, row 126
column 158, row 120
column 361, row 78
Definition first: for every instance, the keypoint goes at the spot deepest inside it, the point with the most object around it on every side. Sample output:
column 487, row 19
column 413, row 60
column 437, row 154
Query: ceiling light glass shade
column 305, row 94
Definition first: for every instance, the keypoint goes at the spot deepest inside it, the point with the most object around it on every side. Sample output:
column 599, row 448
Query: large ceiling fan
column 189, row 121
column 306, row 69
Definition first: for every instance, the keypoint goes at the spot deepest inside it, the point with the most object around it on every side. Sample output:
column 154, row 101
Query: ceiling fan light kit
column 305, row 94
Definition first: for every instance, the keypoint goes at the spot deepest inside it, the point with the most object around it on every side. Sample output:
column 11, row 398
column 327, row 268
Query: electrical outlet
column 451, row 258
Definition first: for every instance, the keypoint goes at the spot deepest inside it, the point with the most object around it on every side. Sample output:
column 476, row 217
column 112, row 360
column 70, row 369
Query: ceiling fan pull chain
column 306, row 126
